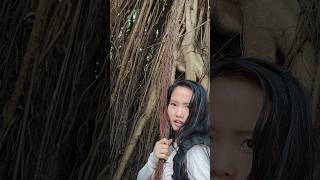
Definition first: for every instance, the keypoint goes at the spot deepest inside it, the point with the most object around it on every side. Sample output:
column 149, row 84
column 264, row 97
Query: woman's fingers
column 161, row 155
column 164, row 150
column 164, row 156
column 165, row 141
column 161, row 148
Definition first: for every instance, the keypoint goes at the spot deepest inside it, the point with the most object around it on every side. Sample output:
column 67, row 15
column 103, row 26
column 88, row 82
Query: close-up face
column 235, row 107
column 178, row 107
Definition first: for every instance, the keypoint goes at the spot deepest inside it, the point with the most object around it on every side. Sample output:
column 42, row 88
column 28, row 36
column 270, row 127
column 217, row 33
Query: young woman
column 186, row 153
column 261, row 122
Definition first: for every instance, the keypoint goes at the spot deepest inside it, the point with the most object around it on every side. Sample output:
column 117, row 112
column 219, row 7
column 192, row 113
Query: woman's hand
column 161, row 148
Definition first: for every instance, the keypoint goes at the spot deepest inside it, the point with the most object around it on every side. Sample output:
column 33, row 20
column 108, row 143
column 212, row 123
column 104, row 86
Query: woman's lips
column 178, row 123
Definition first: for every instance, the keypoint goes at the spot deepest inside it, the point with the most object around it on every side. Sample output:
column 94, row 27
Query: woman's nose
column 179, row 112
column 221, row 166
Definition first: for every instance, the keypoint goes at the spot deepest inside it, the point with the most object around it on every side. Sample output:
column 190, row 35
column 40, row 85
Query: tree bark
column 31, row 53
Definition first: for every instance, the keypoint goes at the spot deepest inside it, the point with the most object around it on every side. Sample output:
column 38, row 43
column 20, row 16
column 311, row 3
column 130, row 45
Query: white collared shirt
column 198, row 164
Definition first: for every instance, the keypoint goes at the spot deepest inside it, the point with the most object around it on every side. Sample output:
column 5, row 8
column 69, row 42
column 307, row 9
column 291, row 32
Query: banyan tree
column 284, row 32
column 153, row 43
column 83, row 83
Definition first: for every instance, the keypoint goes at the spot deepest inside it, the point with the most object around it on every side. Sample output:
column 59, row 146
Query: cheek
column 170, row 112
column 244, row 165
column 187, row 114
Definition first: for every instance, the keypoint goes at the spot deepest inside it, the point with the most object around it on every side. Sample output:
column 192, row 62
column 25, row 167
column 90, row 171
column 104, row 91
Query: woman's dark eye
column 247, row 144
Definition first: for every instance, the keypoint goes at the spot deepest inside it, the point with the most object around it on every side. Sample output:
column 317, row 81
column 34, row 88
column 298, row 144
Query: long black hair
column 196, row 128
column 284, row 145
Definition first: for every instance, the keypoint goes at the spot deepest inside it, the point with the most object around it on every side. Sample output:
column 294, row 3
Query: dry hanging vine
column 180, row 48
column 50, row 85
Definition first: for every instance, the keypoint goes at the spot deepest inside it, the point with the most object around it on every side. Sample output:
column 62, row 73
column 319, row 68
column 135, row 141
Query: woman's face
column 178, row 108
column 235, row 107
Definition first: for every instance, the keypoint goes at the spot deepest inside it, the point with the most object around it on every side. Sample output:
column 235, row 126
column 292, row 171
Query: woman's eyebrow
column 186, row 103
